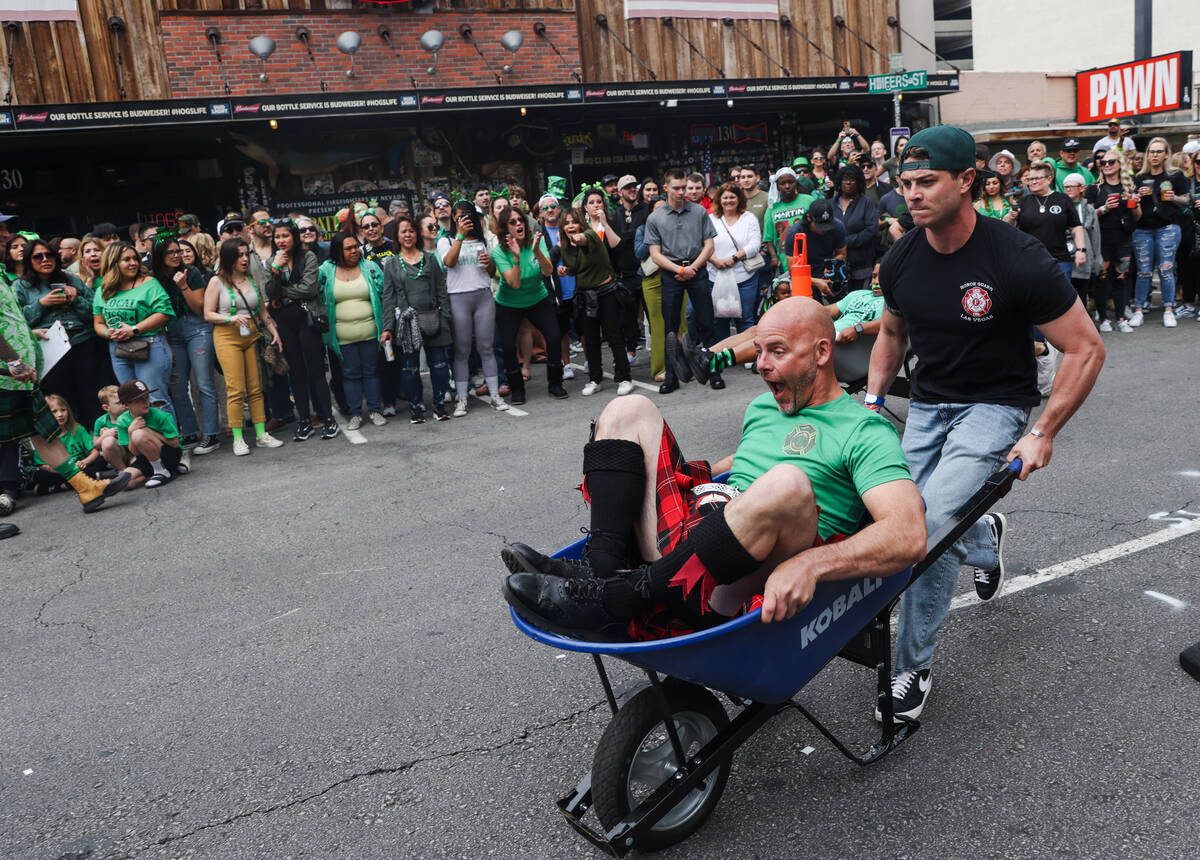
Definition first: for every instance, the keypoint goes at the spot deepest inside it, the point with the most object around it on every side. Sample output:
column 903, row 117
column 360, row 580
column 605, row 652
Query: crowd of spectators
column 265, row 323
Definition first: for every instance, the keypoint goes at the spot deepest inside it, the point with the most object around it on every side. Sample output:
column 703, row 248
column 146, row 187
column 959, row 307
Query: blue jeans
column 438, row 359
column 699, row 292
column 359, row 376
column 191, row 344
column 155, row 371
column 1155, row 249
column 748, row 293
column 951, row 448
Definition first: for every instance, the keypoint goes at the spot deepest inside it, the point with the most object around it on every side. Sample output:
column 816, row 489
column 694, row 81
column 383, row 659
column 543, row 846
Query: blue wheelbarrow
column 661, row 765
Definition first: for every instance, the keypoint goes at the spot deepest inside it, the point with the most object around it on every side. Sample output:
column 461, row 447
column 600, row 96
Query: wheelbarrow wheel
column 634, row 757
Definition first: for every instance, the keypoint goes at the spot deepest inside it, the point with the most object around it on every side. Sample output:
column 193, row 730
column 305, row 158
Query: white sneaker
column 354, row 423
column 1124, row 327
column 388, row 412
column 377, row 419
column 634, row 359
column 460, row 409
column 624, row 387
column 591, row 388
column 497, row 403
column 266, row 440
column 1135, row 318
column 1128, row 311
column 1169, row 318
column 568, row 372
column 240, row 448
column 1105, row 325
column 749, row 365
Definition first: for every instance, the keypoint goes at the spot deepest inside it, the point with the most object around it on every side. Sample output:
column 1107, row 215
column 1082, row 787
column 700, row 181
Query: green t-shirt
column 78, row 443
column 781, row 217
column 1062, row 171
column 533, row 285
column 134, row 305
column 103, row 423
column 156, row 419
column 859, row 306
column 843, row 447
column 756, row 205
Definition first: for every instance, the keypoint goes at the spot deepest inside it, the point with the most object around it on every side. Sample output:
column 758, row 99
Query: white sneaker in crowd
column 590, row 389
column 1169, row 318
column 1105, row 325
column 1124, row 327
column 624, row 387
column 240, row 448
column 568, row 372
column 266, row 440
column 498, row 403
column 377, row 419
column 1135, row 318
column 354, row 423
column 460, row 409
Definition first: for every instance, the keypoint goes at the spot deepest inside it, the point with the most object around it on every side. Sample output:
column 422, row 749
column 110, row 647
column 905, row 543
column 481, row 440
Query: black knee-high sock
column 614, row 471
column 685, row 577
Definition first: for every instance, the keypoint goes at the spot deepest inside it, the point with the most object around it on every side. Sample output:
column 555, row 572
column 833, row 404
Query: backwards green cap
column 949, row 148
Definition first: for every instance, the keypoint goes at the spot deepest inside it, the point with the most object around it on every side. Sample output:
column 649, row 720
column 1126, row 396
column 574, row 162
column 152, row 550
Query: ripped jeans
column 191, row 342
column 1155, row 249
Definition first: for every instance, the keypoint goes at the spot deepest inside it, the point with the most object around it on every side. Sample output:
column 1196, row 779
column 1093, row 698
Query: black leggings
column 1114, row 282
column 305, row 353
column 607, row 322
column 544, row 317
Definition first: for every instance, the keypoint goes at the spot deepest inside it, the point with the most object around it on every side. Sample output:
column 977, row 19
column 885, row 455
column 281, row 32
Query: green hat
column 949, row 148
column 805, row 184
column 800, row 161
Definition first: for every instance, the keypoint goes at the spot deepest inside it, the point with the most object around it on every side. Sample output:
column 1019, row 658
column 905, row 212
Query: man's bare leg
column 636, row 419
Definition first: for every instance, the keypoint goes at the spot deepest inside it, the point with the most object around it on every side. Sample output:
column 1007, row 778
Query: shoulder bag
column 271, row 357
column 752, row 263
column 134, row 349
column 429, row 321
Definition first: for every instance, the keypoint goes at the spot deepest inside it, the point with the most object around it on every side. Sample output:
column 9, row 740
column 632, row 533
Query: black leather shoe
column 8, row 530
column 669, row 386
column 522, row 558
column 716, row 383
column 573, row 607
column 696, row 357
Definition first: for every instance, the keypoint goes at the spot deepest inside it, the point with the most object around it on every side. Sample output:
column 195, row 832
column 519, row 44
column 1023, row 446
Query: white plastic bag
column 727, row 302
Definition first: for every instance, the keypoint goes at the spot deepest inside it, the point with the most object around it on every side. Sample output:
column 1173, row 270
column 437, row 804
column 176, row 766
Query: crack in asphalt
column 403, row 767
column 41, row 622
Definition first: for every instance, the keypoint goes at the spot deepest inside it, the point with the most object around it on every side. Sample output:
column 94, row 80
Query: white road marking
column 269, row 620
column 1189, row 473
column 637, row 382
column 352, row 570
column 354, row 437
column 1174, row 602
column 809, row 750
column 511, row 410
column 1083, row 562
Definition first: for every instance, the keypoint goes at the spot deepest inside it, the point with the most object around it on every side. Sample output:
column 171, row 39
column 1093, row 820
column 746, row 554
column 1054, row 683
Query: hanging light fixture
column 348, row 43
column 432, row 41
column 511, row 42
column 262, row 47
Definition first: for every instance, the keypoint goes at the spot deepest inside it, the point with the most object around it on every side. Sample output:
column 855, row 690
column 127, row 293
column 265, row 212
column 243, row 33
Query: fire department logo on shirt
column 976, row 302
column 801, row 440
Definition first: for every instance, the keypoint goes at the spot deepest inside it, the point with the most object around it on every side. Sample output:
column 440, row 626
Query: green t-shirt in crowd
column 103, row 423
column 533, row 285
column 78, row 442
column 843, row 447
column 781, row 217
column 756, row 205
column 134, row 305
column 156, row 419
column 859, row 306
column 1062, row 171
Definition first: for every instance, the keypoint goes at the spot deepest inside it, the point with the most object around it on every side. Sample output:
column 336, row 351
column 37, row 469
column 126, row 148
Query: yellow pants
column 239, row 363
column 652, row 296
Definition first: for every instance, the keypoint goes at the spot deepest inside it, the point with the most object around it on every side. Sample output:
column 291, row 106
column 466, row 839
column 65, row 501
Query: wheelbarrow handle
column 993, row 490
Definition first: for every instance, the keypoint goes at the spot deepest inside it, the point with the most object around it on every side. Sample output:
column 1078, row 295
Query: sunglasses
column 549, row 208
column 371, row 225
column 1109, row 162
column 279, row 222
column 265, row 222
column 42, row 255
column 308, row 229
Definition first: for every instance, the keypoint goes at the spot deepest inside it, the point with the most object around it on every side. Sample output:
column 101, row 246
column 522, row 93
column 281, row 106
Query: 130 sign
column 11, row 179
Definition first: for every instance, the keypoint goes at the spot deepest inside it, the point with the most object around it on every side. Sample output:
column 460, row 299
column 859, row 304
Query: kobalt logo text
column 840, row 606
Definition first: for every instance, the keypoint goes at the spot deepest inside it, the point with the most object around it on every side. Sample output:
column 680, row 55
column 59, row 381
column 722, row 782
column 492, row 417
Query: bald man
column 811, row 463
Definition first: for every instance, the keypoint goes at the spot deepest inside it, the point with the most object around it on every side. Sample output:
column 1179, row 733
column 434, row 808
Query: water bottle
column 388, row 351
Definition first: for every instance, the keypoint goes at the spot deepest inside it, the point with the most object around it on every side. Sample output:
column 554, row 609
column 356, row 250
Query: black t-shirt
column 1049, row 227
column 970, row 314
column 1155, row 213
column 820, row 246
column 1117, row 224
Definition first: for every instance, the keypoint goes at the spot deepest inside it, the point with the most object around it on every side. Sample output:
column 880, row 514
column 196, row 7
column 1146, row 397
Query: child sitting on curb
column 78, row 442
column 151, row 436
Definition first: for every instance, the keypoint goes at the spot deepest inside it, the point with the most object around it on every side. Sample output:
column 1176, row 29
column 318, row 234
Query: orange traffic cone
column 799, row 269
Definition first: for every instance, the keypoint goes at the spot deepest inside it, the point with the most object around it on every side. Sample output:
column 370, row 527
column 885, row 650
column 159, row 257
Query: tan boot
column 93, row 493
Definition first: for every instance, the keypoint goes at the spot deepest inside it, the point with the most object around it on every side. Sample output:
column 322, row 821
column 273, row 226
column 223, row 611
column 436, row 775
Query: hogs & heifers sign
column 1144, row 86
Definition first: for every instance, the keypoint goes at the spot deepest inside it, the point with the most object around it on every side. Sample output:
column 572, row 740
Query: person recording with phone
column 849, row 147
column 47, row 295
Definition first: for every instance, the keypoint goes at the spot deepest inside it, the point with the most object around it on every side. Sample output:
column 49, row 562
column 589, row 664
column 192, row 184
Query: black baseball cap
column 949, row 148
column 133, row 390
column 820, row 214
column 608, row 179
column 1070, row 143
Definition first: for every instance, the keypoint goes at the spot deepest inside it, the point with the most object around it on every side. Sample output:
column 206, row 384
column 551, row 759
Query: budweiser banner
column 702, row 9
column 39, row 10
column 1145, row 86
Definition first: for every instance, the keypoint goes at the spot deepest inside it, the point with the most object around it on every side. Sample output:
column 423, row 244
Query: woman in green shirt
column 523, row 266
column 48, row 295
column 585, row 255
column 992, row 201
column 130, row 305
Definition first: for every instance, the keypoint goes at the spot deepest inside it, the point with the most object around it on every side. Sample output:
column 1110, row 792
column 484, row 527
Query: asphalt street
column 305, row 653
